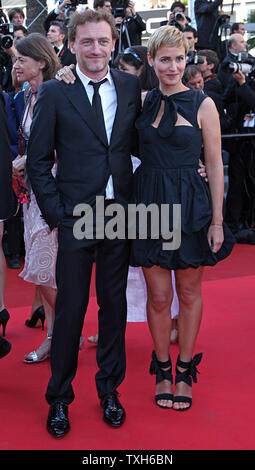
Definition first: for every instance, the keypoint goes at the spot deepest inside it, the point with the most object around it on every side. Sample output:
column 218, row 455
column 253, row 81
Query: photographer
column 16, row 16
column 57, row 35
column 239, row 102
column 130, row 27
column 177, row 16
column 193, row 78
column 57, row 14
column 208, row 19
column 238, row 28
column 240, row 203
column 245, row 91
column 9, row 35
column 236, row 44
column 102, row 4
column 209, row 71
column 6, row 62
column 191, row 36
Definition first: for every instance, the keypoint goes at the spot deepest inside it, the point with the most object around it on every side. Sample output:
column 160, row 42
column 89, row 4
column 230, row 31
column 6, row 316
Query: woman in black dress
column 174, row 123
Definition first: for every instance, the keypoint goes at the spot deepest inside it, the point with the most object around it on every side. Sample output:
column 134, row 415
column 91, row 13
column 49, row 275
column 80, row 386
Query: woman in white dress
column 35, row 63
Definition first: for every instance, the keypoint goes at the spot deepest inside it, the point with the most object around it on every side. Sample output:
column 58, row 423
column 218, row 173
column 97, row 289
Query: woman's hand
column 215, row 237
column 18, row 165
column 65, row 74
column 202, row 170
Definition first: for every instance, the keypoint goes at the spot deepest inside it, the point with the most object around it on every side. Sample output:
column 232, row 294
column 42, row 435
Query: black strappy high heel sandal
column 186, row 376
column 38, row 314
column 4, row 318
column 156, row 368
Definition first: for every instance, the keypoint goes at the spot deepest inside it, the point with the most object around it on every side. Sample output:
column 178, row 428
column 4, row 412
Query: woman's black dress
column 169, row 174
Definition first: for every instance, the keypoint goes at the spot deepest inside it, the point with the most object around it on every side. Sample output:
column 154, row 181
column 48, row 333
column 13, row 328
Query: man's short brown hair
column 211, row 58
column 90, row 16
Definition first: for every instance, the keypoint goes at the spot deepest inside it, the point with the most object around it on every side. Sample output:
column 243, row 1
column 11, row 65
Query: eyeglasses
column 133, row 53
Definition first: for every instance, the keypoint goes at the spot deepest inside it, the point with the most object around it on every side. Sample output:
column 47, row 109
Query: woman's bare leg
column 159, row 299
column 188, row 286
column 48, row 297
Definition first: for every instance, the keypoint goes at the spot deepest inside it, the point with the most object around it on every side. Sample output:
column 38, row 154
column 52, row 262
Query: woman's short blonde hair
column 166, row 36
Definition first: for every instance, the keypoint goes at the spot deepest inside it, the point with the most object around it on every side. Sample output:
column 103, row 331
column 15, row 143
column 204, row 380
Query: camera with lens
column 178, row 15
column 223, row 19
column 194, row 58
column 119, row 8
column 7, row 31
column 75, row 3
column 244, row 64
column 69, row 9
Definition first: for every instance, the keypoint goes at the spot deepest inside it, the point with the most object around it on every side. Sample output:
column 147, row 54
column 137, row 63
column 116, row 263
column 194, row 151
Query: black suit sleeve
column 40, row 156
column 140, row 23
column 247, row 95
column 5, row 165
column 49, row 18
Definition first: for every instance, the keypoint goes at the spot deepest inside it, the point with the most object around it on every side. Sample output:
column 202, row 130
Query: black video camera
column 194, row 58
column 119, row 8
column 7, row 32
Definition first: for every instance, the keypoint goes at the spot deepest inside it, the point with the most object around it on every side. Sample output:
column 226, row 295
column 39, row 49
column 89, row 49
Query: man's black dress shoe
column 58, row 422
column 5, row 347
column 114, row 413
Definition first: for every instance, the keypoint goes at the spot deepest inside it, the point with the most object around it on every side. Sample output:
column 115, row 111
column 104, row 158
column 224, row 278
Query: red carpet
column 223, row 412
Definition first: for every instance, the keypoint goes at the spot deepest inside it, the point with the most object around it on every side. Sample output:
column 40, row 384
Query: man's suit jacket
column 64, row 121
column 6, row 194
column 66, row 57
column 224, row 74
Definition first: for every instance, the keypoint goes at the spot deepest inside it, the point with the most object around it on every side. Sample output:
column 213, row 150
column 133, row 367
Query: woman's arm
column 208, row 119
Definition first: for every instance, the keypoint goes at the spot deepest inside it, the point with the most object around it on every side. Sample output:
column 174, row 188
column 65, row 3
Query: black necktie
column 97, row 105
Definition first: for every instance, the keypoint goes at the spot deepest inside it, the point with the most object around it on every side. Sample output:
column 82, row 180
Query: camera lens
column 6, row 41
column 233, row 67
column 178, row 16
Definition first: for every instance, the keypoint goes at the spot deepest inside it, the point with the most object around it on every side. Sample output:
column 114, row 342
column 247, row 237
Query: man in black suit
column 6, row 204
column 236, row 45
column 209, row 71
column 208, row 20
column 57, row 36
column 93, row 160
